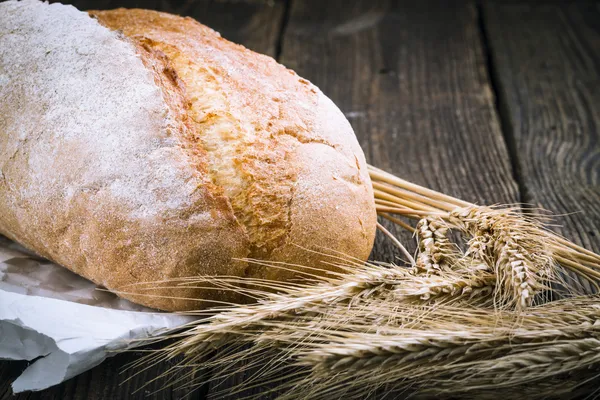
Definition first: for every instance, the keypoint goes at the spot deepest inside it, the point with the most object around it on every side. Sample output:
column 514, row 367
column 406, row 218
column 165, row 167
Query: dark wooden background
column 491, row 101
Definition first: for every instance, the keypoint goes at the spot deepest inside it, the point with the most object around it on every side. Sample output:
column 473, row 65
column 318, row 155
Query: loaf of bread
column 140, row 148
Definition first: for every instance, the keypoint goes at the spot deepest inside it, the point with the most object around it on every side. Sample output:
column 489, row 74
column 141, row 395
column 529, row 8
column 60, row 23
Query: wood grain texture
column 106, row 381
column 547, row 67
column 411, row 77
column 9, row 371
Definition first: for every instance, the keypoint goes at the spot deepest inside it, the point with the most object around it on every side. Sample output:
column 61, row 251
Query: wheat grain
column 574, row 258
column 519, row 255
column 447, row 288
column 436, row 252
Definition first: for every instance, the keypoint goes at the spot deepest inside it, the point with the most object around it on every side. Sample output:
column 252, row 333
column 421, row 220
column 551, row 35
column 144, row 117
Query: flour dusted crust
column 138, row 146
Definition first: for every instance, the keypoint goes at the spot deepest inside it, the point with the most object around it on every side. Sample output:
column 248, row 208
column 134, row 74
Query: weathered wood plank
column 107, row 381
column 547, row 72
column 411, row 77
column 253, row 23
column 9, row 371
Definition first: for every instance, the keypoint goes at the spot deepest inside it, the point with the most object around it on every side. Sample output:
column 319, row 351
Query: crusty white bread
column 139, row 147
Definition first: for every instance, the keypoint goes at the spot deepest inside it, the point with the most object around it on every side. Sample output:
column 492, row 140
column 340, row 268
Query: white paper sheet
column 48, row 312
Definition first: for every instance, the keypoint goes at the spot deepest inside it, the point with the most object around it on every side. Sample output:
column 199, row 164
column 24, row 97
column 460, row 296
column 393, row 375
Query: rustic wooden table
column 492, row 102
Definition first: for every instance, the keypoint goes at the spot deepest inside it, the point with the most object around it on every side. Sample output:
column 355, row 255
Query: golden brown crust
column 284, row 112
column 264, row 131
column 273, row 166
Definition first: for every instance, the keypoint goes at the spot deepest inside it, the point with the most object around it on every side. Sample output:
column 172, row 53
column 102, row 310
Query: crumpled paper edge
column 69, row 338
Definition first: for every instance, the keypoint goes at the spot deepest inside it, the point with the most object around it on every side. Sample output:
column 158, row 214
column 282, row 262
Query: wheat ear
column 416, row 202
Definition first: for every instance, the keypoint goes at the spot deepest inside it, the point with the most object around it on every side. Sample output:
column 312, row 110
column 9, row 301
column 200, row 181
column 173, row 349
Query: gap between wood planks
column 285, row 19
column 502, row 111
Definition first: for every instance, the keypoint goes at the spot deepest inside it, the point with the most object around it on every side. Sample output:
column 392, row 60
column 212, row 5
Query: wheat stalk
column 520, row 267
column 436, row 252
column 509, row 242
column 455, row 323
column 447, row 288
column 335, row 302
column 388, row 281
column 333, row 348
column 448, row 349
column 436, row 349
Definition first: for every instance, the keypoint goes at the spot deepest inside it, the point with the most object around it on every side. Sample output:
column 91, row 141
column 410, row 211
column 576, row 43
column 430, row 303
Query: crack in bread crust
column 238, row 161
column 269, row 143
column 244, row 158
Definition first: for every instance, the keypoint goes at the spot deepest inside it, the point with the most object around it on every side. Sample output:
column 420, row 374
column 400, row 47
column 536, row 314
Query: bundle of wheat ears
column 494, row 315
